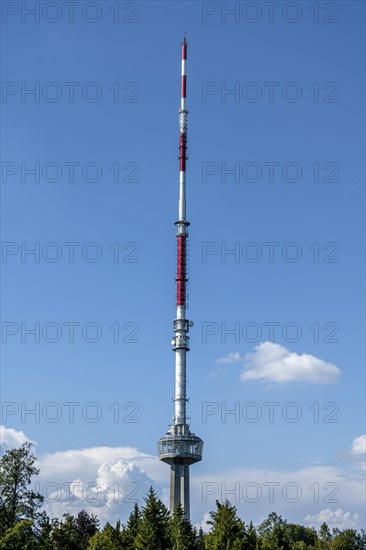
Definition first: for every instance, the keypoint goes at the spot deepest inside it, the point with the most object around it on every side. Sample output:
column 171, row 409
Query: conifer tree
column 251, row 537
column 130, row 532
column 152, row 533
column 182, row 536
column 200, row 539
column 273, row 533
column 324, row 536
column 227, row 529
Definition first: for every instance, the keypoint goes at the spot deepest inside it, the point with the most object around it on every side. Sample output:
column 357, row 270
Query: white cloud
column 274, row 363
column 292, row 494
column 358, row 452
column 233, row 357
column 10, row 438
column 203, row 523
column 359, row 445
column 106, row 481
column 333, row 518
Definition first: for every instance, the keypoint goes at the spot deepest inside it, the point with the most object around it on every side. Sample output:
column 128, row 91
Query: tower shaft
column 179, row 447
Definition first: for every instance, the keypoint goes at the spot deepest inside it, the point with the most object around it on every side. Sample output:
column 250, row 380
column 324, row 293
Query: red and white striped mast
column 179, row 447
column 181, row 325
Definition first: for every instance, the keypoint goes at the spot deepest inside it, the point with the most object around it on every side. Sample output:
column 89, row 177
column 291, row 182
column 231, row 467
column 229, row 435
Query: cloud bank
column 106, row 481
column 9, row 438
column 333, row 518
column 359, row 445
column 274, row 363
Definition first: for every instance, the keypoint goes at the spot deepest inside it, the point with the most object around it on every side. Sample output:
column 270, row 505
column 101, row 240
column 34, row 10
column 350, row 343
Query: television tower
column 179, row 447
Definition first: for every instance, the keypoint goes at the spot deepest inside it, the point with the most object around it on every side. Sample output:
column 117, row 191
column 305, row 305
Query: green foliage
column 45, row 526
column 348, row 539
column 227, row 531
column 200, row 539
column 273, row 533
column 102, row 541
column 250, row 537
column 74, row 533
column 132, row 528
column 17, row 501
column 19, row 537
column 181, row 533
column 110, row 538
column 324, row 537
column 152, row 533
column 301, row 537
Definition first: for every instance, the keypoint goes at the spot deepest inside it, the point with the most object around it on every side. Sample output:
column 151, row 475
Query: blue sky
column 310, row 132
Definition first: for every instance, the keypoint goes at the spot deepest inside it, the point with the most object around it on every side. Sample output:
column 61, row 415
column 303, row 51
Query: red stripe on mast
column 182, row 152
column 181, row 271
column 184, row 48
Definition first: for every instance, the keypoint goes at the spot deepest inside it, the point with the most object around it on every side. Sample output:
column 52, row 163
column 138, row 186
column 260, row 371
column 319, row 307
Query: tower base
column 179, row 487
